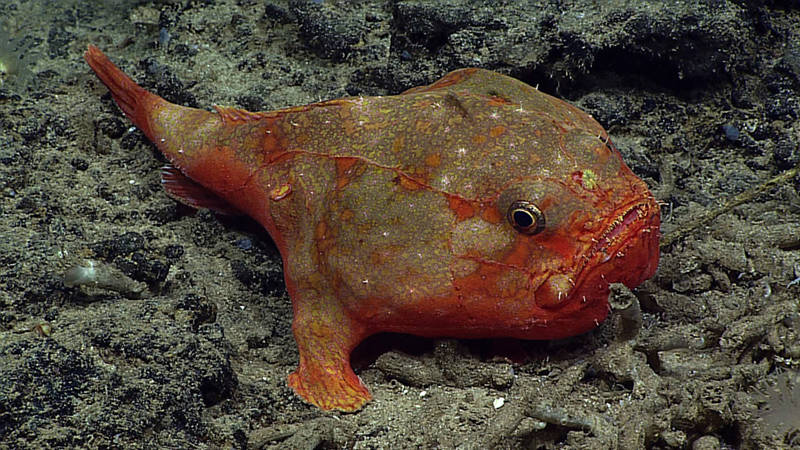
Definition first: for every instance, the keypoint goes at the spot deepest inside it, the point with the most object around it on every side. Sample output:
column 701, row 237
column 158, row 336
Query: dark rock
column 143, row 268
column 786, row 154
column 329, row 31
column 609, row 111
column 167, row 84
column 124, row 244
column 199, row 309
column 41, row 383
column 79, row 164
column 173, row 252
column 111, row 126
column 266, row 281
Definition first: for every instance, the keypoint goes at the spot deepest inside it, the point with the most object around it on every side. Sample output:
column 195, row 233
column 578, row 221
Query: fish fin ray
column 190, row 193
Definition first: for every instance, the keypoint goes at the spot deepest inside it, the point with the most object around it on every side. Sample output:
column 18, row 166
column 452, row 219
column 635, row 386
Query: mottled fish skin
column 402, row 213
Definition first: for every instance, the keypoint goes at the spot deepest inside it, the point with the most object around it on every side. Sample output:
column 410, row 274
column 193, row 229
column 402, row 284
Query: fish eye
column 526, row 217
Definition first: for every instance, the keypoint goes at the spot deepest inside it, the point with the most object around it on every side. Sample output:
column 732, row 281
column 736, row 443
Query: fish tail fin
column 136, row 102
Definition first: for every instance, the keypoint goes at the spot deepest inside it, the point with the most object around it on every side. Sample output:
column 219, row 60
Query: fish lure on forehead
column 473, row 207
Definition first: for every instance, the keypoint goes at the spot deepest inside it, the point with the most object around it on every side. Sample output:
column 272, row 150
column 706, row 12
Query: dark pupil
column 523, row 218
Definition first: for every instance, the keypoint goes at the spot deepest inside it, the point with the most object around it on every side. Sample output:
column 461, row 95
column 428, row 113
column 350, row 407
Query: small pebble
column 675, row 439
column 707, row 442
column 244, row 244
column 163, row 37
column 731, row 132
column 43, row 329
column 499, row 402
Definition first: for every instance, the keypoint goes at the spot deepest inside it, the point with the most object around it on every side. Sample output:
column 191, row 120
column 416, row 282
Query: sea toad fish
column 473, row 207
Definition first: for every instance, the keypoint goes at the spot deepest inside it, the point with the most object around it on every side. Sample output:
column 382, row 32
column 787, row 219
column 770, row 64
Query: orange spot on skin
column 346, row 215
column 408, row 184
column 384, row 254
column 413, row 178
column 321, row 230
column 344, row 171
column 462, row 208
column 344, row 164
column 520, row 251
column 479, row 139
column 491, row 214
column 498, row 101
column 423, row 126
column 346, row 116
column 433, row 160
column 301, row 139
column 323, row 237
column 497, row 131
column 398, row 144
column 546, row 203
column 271, row 144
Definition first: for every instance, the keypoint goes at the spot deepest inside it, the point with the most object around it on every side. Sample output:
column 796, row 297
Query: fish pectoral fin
column 187, row 191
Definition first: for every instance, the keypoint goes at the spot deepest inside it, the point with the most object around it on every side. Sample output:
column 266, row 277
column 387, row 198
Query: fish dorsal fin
column 187, row 191
column 230, row 114
column 453, row 78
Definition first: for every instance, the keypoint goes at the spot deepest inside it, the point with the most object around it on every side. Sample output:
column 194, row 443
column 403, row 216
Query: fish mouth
column 625, row 227
column 627, row 250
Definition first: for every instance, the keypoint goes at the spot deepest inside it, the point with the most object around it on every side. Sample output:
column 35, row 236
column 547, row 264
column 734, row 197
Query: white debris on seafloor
column 101, row 275
column 499, row 402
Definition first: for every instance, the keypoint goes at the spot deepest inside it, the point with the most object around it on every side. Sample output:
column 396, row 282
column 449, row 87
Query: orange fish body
column 473, row 207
